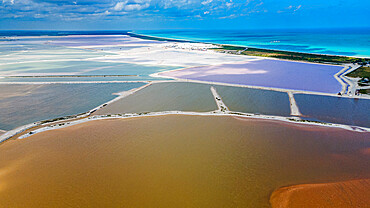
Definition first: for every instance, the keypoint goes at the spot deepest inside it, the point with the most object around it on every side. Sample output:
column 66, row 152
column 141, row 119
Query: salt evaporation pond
column 247, row 100
column 81, row 79
column 98, row 40
column 24, row 104
column 335, row 109
column 80, row 68
column 268, row 73
column 171, row 96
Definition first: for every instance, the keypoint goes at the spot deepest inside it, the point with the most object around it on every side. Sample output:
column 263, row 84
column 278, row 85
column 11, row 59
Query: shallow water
column 175, row 161
column 335, row 109
column 25, row 104
column 81, row 79
column 347, row 42
column 255, row 101
column 268, row 73
column 80, row 67
column 171, row 96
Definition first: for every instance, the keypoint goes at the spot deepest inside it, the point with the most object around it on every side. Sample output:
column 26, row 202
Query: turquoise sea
column 346, row 42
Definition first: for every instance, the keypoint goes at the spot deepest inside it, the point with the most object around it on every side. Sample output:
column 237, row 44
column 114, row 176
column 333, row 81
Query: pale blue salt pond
column 256, row 101
column 24, row 104
column 334, row 109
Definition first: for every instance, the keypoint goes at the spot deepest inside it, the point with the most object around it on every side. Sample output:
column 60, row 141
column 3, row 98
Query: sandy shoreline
column 354, row 193
column 169, row 113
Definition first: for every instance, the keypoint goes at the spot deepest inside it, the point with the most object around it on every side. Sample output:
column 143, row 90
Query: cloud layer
column 248, row 12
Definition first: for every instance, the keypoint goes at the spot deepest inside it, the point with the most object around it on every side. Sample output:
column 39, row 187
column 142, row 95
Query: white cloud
column 207, row 2
column 10, row 1
column 132, row 7
column 119, row 6
column 229, row 4
column 298, row 7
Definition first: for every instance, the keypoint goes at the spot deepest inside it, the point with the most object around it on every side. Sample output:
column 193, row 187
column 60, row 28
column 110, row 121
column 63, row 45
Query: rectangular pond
column 335, row 109
column 170, row 96
column 268, row 73
column 255, row 101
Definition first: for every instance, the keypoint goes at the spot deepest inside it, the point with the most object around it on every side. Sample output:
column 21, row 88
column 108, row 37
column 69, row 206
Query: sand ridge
column 353, row 193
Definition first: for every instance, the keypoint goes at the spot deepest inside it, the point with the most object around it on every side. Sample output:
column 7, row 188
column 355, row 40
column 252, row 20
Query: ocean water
column 346, row 42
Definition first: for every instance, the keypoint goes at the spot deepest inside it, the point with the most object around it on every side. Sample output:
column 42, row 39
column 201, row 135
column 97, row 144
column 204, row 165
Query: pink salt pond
column 267, row 73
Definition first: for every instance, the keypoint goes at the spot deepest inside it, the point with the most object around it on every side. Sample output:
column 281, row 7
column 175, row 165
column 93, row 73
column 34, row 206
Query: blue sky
column 182, row 14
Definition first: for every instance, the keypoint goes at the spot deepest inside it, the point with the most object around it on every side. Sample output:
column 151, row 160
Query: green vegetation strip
column 362, row 72
column 288, row 55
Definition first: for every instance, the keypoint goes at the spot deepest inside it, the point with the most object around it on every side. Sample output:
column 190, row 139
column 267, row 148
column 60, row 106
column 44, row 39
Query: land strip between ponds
column 294, row 110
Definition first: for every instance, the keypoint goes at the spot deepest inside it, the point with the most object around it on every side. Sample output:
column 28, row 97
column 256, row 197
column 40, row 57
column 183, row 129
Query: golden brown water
column 175, row 161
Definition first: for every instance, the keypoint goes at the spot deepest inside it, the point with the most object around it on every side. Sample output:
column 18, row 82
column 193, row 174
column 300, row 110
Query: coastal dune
column 353, row 193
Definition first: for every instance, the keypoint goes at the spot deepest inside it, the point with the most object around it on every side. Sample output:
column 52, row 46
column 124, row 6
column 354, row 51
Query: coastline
column 165, row 113
column 2, row 132
column 151, row 37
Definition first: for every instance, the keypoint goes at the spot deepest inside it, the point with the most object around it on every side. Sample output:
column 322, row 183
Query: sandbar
column 353, row 193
